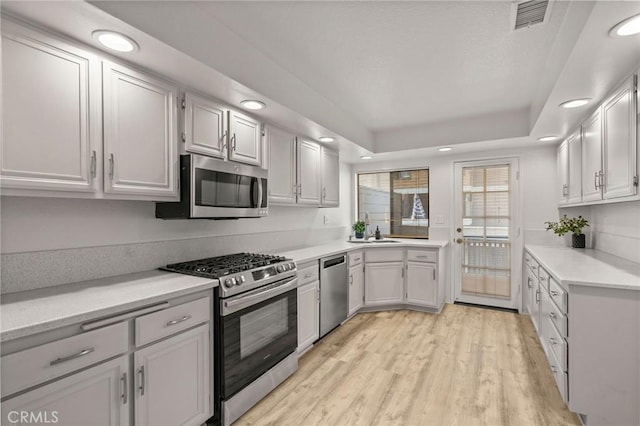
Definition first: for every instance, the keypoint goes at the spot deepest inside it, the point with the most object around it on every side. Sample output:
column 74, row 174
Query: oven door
column 258, row 329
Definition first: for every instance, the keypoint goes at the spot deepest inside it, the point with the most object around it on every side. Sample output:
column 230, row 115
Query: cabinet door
column 384, row 283
column 422, row 284
column 140, row 145
column 245, row 139
column 51, row 133
column 563, row 173
column 282, row 166
column 308, row 315
column 356, row 288
column 575, row 168
column 592, row 157
column 330, row 178
column 172, row 381
column 619, row 141
column 308, row 173
column 204, row 126
column 98, row 396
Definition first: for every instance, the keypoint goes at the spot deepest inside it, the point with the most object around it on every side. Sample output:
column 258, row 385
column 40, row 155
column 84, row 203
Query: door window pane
column 254, row 335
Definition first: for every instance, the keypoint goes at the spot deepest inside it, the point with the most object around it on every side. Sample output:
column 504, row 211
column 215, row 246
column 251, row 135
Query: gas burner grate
column 216, row 267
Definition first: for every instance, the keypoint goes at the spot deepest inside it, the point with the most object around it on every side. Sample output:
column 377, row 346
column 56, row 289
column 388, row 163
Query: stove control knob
column 241, row 279
column 229, row 282
column 292, row 266
column 280, row 268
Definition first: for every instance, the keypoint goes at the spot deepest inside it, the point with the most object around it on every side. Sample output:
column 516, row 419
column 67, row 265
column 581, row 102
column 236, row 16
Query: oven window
column 219, row 189
column 253, row 333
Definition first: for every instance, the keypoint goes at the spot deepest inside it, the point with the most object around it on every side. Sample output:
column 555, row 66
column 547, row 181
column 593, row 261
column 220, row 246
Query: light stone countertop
column 34, row 311
column 586, row 267
column 328, row 249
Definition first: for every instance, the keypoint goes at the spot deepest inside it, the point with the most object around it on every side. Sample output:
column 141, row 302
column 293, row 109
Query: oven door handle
column 236, row 304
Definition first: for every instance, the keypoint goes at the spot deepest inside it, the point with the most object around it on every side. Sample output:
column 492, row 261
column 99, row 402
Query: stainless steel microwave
column 211, row 188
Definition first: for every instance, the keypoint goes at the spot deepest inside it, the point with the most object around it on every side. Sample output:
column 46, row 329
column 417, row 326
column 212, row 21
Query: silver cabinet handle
column 141, row 387
column 357, row 259
column 528, row 282
column 233, row 142
column 596, row 180
column 554, row 369
column 350, row 279
column 124, row 395
column 601, row 180
column 537, row 296
column 70, row 357
column 434, row 274
column 111, row 161
column 552, row 315
column 93, row 165
column 554, row 293
column 225, row 137
column 553, row 341
column 178, row 321
column 308, row 275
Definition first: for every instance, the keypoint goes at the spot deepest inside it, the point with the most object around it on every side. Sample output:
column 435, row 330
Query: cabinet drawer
column 544, row 278
column 422, row 256
column 531, row 263
column 559, row 375
column 355, row 258
column 558, row 319
column 384, row 255
column 556, row 344
column 558, row 295
column 41, row 363
column 163, row 323
column 308, row 274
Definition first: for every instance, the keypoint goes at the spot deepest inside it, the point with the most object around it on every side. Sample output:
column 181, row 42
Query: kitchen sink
column 371, row 241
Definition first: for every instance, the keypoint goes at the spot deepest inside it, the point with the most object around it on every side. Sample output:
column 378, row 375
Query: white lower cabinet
column 422, row 284
column 172, row 380
column 356, row 288
column 98, row 396
column 308, row 314
column 384, row 283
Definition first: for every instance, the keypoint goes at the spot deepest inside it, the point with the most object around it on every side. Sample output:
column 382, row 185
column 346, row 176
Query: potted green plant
column 359, row 228
column 573, row 225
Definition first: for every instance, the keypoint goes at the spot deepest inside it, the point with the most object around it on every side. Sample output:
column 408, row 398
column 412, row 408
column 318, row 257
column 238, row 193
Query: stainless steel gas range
column 256, row 326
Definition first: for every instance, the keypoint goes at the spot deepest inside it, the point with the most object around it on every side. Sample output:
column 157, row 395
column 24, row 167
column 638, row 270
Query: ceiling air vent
column 529, row 13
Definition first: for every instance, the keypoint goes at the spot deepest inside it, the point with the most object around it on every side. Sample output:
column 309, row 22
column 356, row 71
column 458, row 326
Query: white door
column 575, row 167
column 308, row 173
column 204, row 126
column 172, row 382
column 384, row 283
column 484, row 247
column 51, row 133
column 308, row 314
column 422, row 285
column 282, row 166
column 98, row 396
column 245, row 139
column 619, row 141
column 563, row 173
column 140, row 144
column 592, row 157
column 356, row 288
column 330, row 178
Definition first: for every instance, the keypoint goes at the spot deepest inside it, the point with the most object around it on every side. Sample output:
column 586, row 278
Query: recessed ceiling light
column 326, row 139
column 575, row 103
column 115, row 41
column 547, row 138
column 366, row 157
column 629, row 26
column 254, row 105
column 445, row 148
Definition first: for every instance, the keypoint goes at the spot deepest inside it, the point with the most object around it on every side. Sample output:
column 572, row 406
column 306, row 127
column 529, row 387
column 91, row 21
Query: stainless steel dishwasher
column 334, row 292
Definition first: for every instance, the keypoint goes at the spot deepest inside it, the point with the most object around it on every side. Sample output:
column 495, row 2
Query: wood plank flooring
column 466, row 366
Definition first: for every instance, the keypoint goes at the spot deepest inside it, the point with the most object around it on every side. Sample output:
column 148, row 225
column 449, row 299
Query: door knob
column 458, row 229
column 459, row 241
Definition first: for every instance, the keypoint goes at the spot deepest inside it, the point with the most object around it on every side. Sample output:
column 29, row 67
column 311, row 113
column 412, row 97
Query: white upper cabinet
column 204, row 126
column 51, row 113
column 245, row 139
column 282, row 166
column 308, row 173
column 563, row 173
column 330, row 178
column 140, row 146
column 575, row 167
column 620, row 142
column 592, row 157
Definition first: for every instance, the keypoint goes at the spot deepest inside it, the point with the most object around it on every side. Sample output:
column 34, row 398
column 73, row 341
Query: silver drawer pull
column 308, row 275
column 553, row 341
column 422, row 256
column 70, row 357
column 554, row 369
column 552, row 315
column 178, row 321
column 554, row 293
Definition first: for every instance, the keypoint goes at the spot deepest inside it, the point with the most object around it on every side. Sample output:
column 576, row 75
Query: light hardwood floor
column 466, row 366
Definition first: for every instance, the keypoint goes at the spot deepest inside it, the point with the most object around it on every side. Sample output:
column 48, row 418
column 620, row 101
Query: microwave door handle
column 260, row 194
